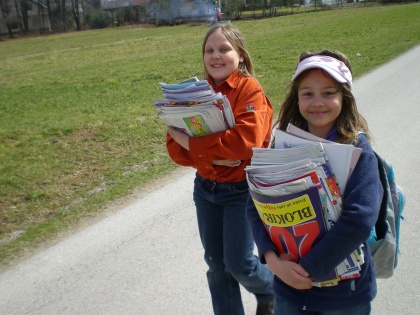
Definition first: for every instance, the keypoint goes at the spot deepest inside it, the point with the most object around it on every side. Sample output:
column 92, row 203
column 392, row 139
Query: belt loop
column 212, row 185
column 209, row 184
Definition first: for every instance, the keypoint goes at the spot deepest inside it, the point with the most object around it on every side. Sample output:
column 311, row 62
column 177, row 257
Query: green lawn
column 78, row 128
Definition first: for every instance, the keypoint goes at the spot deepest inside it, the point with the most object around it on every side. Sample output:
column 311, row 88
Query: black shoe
column 265, row 309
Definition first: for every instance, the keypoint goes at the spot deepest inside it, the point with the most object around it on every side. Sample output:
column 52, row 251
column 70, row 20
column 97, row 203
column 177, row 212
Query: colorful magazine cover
column 294, row 222
column 197, row 126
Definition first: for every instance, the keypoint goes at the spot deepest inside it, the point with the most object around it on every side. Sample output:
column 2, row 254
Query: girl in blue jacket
column 320, row 101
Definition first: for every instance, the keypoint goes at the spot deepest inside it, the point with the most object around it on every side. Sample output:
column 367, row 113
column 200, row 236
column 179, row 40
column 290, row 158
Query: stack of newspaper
column 193, row 107
column 297, row 197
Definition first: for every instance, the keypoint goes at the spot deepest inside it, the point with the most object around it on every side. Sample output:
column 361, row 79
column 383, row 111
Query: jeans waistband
column 214, row 186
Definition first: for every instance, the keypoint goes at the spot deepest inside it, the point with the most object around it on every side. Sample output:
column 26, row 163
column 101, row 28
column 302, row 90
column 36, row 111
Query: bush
column 126, row 15
column 97, row 19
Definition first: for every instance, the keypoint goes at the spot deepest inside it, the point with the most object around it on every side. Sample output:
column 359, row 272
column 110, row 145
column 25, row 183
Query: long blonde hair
column 348, row 123
column 235, row 37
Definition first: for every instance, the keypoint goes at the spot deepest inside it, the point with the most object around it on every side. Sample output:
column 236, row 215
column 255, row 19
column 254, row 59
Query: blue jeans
column 228, row 246
column 282, row 307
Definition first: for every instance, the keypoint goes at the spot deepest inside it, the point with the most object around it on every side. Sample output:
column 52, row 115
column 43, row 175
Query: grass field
column 78, row 128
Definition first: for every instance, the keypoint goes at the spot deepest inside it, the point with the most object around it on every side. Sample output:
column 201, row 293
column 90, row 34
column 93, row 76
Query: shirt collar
column 332, row 134
column 231, row 81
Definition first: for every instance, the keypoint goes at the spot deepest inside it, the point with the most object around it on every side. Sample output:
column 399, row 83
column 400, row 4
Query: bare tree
column 48, row 4
column 234, row 8
column 41, row 17
column 264, row 5
column 76, row 13
column 162, row 11
column 24, row 15
column 82, row 3
column 60, row 14
column 63, row 14
column 19, row 16
column 316, row 3
column 5, row 11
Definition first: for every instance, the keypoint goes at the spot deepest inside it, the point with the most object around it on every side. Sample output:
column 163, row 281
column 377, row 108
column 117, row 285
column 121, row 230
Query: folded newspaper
column 193, row 107
column 297, row 197
column 342, row 157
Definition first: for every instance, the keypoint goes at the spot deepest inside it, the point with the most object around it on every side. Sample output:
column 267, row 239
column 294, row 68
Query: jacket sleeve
column 361, row 203
column 259, row 232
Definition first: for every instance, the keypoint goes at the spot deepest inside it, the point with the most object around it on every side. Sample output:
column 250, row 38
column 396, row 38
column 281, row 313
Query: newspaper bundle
column 296, row 194
column 193, row 107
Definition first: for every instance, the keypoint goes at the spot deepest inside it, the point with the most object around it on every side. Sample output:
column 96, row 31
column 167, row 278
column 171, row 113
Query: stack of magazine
column 297, row 195
column 193, row 107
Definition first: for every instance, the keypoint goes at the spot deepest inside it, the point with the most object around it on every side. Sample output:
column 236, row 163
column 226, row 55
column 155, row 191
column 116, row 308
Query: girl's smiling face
column 320, row 101
column 220, row 57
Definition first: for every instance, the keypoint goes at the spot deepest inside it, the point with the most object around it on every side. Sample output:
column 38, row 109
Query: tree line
column 70, row 15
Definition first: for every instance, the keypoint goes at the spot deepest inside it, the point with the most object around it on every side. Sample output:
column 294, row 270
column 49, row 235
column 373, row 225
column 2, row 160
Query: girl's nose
column 317, row 101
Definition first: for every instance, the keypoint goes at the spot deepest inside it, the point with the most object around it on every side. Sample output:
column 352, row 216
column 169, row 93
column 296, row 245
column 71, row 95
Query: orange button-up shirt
column 253, row 117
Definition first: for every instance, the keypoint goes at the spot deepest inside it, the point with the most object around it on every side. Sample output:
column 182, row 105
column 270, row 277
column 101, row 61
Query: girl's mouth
column 318, row 113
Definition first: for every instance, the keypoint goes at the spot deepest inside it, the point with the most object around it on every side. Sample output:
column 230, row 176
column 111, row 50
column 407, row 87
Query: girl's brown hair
column 348, row 123
column 236, row 39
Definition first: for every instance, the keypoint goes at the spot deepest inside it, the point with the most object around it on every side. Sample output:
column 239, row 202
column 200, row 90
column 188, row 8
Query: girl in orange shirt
column 220, row 187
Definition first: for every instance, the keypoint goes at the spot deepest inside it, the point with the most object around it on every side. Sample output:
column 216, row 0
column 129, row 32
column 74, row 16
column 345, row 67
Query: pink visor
column 336, row 68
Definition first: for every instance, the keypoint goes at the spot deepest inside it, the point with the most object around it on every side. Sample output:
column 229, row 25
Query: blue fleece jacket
column 361, row 203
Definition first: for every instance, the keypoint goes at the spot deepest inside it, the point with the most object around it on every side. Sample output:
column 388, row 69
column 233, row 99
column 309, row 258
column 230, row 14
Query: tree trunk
column 75, row 10
column 59, row 15
column 82, row 3
column 63, row 14
column 24, row 14
column 5, row 12
column 49, row 12
column 19, row 17
column 40, row 17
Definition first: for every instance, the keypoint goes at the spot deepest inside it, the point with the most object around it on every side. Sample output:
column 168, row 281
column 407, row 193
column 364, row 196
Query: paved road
column 147, row 257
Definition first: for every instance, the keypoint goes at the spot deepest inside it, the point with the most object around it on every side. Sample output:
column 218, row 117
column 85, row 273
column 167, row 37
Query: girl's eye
column 329, row 93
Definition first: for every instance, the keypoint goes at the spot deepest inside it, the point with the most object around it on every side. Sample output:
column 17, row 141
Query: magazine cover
column 294, row 222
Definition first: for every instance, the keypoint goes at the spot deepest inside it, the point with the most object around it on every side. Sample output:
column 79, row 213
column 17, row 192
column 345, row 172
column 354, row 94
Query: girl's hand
column 289, row 272
column 228, row 163
column 288, row 257
column 180, row 137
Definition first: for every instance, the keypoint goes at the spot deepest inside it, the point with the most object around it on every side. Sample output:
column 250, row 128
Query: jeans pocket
column 208, row 185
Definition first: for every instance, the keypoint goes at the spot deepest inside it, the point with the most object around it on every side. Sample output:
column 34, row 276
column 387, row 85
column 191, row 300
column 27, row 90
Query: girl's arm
column 288, row 271
column 183, row 140
column 362, row 200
